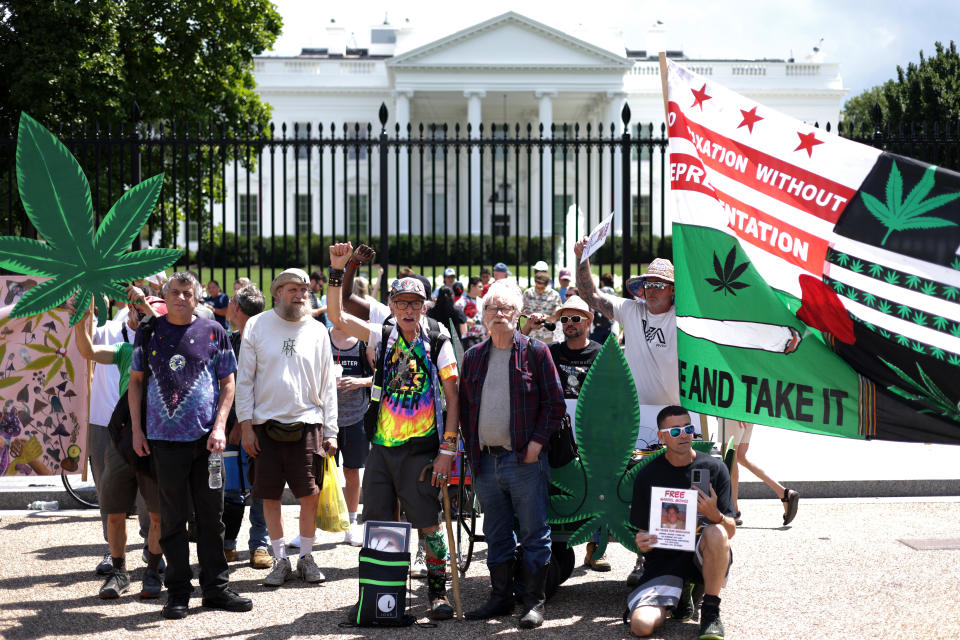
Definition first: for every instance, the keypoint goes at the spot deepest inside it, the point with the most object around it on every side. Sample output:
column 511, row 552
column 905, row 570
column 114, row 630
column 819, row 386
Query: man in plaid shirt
column 505, row 442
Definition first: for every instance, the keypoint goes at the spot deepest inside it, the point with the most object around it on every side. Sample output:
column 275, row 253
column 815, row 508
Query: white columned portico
column 402, row 112
column 544, row 205
column 615, row 100
column 474, row 118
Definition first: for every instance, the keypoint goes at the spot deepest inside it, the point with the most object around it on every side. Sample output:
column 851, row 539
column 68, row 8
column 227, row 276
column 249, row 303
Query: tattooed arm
column 585, row 285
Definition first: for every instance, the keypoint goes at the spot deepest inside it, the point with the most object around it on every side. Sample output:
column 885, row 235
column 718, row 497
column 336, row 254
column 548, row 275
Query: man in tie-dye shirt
column 410, row 433
column 189, row 393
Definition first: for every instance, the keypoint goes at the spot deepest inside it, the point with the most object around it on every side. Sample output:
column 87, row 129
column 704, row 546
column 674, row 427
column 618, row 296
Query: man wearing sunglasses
column 668, row 575
column 649, row 326
column 573, row 358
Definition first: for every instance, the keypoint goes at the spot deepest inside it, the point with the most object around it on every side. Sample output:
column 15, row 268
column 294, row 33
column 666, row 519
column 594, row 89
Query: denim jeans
column 182, row 470
column 509, row 489
column 258, row 524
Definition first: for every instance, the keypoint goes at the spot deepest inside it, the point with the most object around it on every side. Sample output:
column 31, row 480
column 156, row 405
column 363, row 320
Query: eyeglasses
column 676, row 431
column 566, row 319
column 498, row 310
column 655, row 285
column 402, row 305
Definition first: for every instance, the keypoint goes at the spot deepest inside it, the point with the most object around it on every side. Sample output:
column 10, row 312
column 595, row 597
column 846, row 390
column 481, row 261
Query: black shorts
column 353, row 444
column 393, row 473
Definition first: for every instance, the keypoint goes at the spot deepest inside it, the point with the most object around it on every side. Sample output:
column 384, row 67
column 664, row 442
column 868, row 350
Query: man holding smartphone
column 669, row 575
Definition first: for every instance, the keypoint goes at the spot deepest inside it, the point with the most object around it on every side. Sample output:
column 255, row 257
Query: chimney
column 336, row 39
column 656, row 39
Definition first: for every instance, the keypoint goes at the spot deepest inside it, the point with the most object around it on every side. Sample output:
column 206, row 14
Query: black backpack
column 383, row 590
column 121, row 425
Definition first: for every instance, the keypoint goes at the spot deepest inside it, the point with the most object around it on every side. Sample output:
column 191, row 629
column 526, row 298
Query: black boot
column 501, row 594
column 533, row 597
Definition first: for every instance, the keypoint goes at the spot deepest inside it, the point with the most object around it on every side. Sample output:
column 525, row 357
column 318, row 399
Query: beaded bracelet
column 447, row 453
column 448, row 445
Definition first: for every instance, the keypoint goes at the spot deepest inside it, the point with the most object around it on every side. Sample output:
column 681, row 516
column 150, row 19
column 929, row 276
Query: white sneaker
column 354, row 535
column 295, row 543
column 418, row 568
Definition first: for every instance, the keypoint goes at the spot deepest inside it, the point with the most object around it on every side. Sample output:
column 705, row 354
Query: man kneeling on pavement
column 669, row 576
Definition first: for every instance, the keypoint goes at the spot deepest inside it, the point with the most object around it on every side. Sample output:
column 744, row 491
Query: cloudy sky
column 868, row 39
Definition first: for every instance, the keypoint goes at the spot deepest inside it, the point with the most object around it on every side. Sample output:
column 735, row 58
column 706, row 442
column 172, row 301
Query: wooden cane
column 451, row 542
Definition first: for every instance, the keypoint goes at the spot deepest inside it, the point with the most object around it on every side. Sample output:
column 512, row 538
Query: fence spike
column 625, row 115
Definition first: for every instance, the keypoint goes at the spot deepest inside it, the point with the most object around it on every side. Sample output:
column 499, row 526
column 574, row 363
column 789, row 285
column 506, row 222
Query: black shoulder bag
column 121, row 424
column 562, row 446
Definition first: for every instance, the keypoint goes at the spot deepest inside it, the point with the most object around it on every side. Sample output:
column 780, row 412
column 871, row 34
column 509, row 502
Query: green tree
column 78, row 65
column 922, row 93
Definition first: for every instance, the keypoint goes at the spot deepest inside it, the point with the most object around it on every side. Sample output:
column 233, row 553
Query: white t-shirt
column 105, row 391
column 651, row 350
column 378, row 312
column 285, row 373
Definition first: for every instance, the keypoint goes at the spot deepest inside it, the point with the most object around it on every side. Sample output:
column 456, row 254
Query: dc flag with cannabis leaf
column 817, row 279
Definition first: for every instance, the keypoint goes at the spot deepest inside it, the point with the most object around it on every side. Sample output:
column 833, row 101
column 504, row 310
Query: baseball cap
column 500, row 267
column 298, row 276
column 158, row 305
column 449, row 271
column 564, row 273
column 577, row 305
column 540, row 266
column 407, row 285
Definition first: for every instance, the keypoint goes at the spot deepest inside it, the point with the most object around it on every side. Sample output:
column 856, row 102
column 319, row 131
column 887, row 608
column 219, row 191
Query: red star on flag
column 807, row 142
column 750, row 118
column 699, row 96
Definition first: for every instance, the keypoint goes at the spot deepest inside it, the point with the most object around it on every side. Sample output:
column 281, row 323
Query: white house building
column 508, row 69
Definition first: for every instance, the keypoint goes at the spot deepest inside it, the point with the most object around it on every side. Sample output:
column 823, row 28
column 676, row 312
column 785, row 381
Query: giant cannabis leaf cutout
column 607, row 419
column 727, row 276
column 56, row 197
column 899, row 213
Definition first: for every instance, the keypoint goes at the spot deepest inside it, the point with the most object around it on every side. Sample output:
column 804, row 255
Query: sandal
column 792, row 499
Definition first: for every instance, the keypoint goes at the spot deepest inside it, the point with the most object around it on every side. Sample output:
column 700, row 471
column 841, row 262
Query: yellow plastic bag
column 332, row 512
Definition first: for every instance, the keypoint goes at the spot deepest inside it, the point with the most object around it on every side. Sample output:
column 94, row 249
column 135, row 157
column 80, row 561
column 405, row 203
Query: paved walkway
column 838, row 573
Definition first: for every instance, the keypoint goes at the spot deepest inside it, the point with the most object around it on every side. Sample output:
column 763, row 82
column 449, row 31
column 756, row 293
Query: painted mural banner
column 817, row 279
column 43, row 386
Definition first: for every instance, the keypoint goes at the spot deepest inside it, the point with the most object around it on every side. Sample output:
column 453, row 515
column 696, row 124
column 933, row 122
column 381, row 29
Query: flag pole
column 663, row 84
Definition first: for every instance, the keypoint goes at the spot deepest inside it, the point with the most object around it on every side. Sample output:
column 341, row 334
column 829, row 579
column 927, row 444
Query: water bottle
column 41, row 505
column 215, row 466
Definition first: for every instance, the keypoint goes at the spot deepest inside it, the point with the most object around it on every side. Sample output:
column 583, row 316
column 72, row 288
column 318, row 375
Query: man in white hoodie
column 287, row 410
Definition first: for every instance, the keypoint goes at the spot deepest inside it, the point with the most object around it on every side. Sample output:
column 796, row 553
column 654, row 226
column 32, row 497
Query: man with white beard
column 287, row 410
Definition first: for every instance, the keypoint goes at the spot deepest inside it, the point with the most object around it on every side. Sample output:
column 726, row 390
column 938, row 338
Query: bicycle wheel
column 466, row 526
column 85, row 496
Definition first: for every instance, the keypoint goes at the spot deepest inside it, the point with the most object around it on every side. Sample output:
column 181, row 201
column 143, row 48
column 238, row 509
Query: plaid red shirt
column 536, row 396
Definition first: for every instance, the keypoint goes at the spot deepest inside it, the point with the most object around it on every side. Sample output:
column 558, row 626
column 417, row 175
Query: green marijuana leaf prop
column 607, row 419
column 56, row 197
column 899, row 214
column 727, row 276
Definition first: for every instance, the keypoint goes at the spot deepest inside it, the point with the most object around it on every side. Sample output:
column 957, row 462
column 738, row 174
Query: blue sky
column 868, row 39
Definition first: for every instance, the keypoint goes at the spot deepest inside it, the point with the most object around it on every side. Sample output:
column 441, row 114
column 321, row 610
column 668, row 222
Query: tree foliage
column 921, row 94
column 82, row 65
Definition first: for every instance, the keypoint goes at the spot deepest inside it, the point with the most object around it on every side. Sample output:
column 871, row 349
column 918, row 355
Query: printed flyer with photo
column 673, row 518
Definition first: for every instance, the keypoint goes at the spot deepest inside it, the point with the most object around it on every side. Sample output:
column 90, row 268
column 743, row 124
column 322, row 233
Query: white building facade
column 509, row 69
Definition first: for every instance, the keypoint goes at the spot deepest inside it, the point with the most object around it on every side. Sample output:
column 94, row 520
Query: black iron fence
column 430, row 197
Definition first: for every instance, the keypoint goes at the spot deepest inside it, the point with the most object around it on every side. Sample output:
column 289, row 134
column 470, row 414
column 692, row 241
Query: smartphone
column 701, row 480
